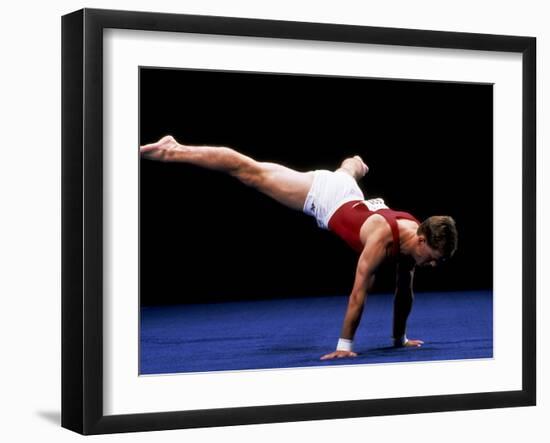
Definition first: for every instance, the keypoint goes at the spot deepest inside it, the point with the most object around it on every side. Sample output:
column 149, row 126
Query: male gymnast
column 375, row 231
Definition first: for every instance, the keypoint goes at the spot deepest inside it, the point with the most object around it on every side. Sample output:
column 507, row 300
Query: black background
column 206, row 237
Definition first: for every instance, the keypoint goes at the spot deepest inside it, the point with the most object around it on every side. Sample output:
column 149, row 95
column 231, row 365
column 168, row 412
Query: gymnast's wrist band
column 400, row 341
column 344, row 345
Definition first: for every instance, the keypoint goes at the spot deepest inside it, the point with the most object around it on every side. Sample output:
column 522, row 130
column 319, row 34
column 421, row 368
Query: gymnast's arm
column 402, row 305
column 371, row 257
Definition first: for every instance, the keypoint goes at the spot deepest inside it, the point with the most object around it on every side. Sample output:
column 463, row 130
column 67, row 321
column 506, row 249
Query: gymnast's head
column 437, row 240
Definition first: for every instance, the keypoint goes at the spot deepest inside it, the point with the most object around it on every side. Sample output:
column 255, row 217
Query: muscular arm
column 371, row 257
column 402, row 305
column 356, row 302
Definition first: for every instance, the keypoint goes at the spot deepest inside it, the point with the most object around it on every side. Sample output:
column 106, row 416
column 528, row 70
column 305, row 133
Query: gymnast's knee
column 250, row 173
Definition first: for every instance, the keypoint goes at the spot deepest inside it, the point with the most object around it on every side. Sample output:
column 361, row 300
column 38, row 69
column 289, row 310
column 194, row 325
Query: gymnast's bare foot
column 166, row 149
column 363, row 165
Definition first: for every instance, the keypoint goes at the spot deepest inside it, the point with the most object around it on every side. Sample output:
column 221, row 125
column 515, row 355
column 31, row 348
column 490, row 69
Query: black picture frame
column 82, row 220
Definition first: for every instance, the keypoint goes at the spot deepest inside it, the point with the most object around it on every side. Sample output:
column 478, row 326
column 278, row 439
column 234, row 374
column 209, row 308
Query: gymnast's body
column 375, row 231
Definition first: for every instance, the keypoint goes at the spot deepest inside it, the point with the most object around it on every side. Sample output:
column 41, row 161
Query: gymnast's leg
column 283, row 184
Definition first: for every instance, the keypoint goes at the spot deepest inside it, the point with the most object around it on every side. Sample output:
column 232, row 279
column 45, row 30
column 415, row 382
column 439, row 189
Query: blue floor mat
column 289, row 333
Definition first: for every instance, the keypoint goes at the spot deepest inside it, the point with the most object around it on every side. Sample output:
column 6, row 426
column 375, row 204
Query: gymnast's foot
column 166, row 149
column 365, row 168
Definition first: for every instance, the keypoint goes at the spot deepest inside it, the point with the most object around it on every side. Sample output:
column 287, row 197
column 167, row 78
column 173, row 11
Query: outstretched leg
column 354, row 166
column 283, row 184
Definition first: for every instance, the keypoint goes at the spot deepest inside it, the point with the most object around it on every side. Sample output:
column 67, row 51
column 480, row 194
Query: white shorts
column 329, row 191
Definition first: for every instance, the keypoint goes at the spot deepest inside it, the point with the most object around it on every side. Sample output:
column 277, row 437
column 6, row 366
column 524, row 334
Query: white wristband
column 344, row 345
column 400, row 341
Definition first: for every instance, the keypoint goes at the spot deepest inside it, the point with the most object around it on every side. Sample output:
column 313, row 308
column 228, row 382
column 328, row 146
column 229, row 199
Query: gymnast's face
column 425, row 255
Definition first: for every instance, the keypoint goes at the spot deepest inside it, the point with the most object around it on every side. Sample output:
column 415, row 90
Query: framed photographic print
column 254, row 210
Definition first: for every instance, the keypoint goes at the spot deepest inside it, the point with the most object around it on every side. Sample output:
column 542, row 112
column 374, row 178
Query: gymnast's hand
column 338, row 354
column 166, row 149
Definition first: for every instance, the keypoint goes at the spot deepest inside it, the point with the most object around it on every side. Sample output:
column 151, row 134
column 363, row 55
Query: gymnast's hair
column 441, row 234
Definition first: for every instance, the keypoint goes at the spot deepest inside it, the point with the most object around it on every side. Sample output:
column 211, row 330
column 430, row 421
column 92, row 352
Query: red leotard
column 346, row 222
